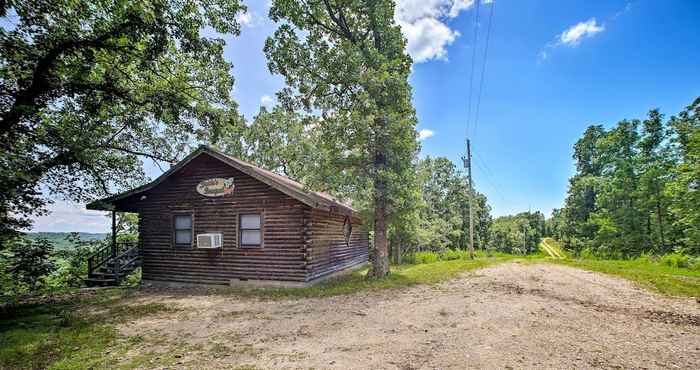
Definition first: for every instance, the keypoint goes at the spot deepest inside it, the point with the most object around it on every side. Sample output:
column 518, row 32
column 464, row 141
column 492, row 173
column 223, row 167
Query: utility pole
column 467, row 161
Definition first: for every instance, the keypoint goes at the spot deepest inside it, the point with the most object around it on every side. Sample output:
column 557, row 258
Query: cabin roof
column 294, row 189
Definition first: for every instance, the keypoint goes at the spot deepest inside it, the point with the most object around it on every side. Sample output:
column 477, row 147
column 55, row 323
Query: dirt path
column 508, row 316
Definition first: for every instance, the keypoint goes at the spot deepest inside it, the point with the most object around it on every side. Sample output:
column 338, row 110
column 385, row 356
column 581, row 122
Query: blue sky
column 552, row 69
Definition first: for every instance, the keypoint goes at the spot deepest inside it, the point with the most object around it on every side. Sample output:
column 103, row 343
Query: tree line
column 636, row 188
column 89, row 91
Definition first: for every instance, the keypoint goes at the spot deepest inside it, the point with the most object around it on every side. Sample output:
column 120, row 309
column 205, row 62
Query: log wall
column 328, row 251
column 281, row 257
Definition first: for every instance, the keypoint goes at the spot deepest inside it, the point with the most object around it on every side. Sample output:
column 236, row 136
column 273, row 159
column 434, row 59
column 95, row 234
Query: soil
column 508, row 316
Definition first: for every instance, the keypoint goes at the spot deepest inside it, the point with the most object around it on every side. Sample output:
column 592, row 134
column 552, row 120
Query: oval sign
column 216, row 187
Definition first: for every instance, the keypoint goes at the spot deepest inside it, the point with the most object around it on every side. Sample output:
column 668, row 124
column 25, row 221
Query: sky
column 551, row 69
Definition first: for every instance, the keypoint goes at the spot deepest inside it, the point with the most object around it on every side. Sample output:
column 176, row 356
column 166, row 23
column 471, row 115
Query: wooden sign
column 216, row 187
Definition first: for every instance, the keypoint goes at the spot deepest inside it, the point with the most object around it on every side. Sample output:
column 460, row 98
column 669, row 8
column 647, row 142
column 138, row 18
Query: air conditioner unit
column 209, row 241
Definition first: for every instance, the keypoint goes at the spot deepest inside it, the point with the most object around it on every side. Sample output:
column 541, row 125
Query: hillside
column 60, row 240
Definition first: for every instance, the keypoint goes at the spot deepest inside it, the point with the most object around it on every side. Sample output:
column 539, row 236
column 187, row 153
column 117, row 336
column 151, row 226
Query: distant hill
column 59, row 239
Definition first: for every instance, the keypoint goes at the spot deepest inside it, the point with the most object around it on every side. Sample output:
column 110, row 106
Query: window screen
column 250, row 231
column 183, row 229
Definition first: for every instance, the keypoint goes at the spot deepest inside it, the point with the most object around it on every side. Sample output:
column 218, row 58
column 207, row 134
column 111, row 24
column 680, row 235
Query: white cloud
column 67, row 216
column 251, row 19
column 423, row 23
column 574, row 34
column 427, row 39
column 425, row 133
column 244, row 18
column 267, row 101
column 571, row 37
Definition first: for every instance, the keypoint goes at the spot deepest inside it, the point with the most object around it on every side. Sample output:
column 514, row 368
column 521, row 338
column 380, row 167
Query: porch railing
column 122, row 258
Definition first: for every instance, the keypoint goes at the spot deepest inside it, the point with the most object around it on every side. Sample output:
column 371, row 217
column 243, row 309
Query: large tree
column 636, row 187
column 683, row 189
column 90, row 88
column 346, row 60
column 445, row 212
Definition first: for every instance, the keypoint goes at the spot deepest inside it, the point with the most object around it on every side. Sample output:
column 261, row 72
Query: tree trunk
column 660, row 218
column 380, row 258
column 397, row 250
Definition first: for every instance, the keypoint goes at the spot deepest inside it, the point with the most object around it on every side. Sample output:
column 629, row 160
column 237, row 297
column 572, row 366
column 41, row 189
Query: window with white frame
column 182, row 225
column 250, row 230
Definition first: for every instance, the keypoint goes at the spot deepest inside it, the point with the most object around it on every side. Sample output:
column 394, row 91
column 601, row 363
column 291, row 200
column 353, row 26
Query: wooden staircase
column 108, row 266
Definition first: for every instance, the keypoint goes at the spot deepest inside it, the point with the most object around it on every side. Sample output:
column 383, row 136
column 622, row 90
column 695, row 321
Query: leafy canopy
column 88, row 89
column 346, row 61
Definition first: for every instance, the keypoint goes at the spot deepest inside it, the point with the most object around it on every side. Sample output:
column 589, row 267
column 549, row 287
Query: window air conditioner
column 209, row 241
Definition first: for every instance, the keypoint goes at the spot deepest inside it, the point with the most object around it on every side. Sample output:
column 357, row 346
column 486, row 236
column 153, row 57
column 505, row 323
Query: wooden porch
column 112, row 263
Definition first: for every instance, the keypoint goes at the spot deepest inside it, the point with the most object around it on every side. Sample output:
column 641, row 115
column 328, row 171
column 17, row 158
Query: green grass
column 401, row 276
column 61, row 336
column 668, row 280
column 64, row 336
column 554, row 245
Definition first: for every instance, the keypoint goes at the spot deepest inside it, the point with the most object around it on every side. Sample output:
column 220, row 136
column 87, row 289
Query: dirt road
column 508, row 316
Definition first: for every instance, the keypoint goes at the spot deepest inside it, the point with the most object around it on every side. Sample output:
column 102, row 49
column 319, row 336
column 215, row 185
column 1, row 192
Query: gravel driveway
column 509, row 316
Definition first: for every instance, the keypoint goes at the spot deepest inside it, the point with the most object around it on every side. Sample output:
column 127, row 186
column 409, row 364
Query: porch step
column 98, row 281
column 105, row 262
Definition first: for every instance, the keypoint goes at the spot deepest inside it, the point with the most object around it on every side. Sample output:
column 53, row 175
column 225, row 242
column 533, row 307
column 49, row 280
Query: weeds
column 665, row 276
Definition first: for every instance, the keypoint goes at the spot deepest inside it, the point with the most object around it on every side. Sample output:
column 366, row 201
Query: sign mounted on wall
column 217, row 187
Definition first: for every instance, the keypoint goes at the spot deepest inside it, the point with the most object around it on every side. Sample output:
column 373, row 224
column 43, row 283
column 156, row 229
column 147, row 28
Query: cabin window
column 250, row 226
column 183, row 229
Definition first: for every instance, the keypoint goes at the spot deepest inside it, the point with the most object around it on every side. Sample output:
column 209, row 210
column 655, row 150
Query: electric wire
column 471, row 75
column 483, row 70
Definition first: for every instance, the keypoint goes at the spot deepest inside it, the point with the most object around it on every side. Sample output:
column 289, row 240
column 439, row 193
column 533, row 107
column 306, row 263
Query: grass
column 554, row 246
column 664, row 279
column 401, row 276
column 63, row 336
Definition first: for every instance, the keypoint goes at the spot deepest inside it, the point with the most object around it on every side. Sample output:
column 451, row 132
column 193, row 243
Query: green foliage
column 88, row 89
column 426, row 257
column 444, row 211
column 281, row 141
column 347, row 62
column 660, row 276
column 67, row 335
column 26, row 264
column 62, row 241
column 518, row 234
column 635, row 188
column 32, row 267
column 446, row 255
column 675, row 260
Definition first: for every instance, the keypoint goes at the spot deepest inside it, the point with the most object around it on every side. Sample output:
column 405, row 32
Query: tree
column 519, row 234
column 683, row 190
column 445, row 212
column 88, row 89
column 347, row 61
column 281, row 141
column 636, row 188
column 28, row 263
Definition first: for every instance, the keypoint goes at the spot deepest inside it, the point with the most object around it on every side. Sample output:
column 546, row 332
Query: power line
column 471, row 75
column 481, row 163
column 483, row 69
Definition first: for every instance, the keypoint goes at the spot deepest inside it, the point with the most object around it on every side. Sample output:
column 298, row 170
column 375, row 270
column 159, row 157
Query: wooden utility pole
column 468, row 166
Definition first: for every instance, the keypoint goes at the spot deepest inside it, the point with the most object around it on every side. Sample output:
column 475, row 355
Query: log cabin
column 215, row 219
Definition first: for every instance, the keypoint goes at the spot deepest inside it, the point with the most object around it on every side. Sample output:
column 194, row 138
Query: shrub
column 586, row 253
column 27, row 263
column 675, row 260
column 426, row 257
column 455, row 254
